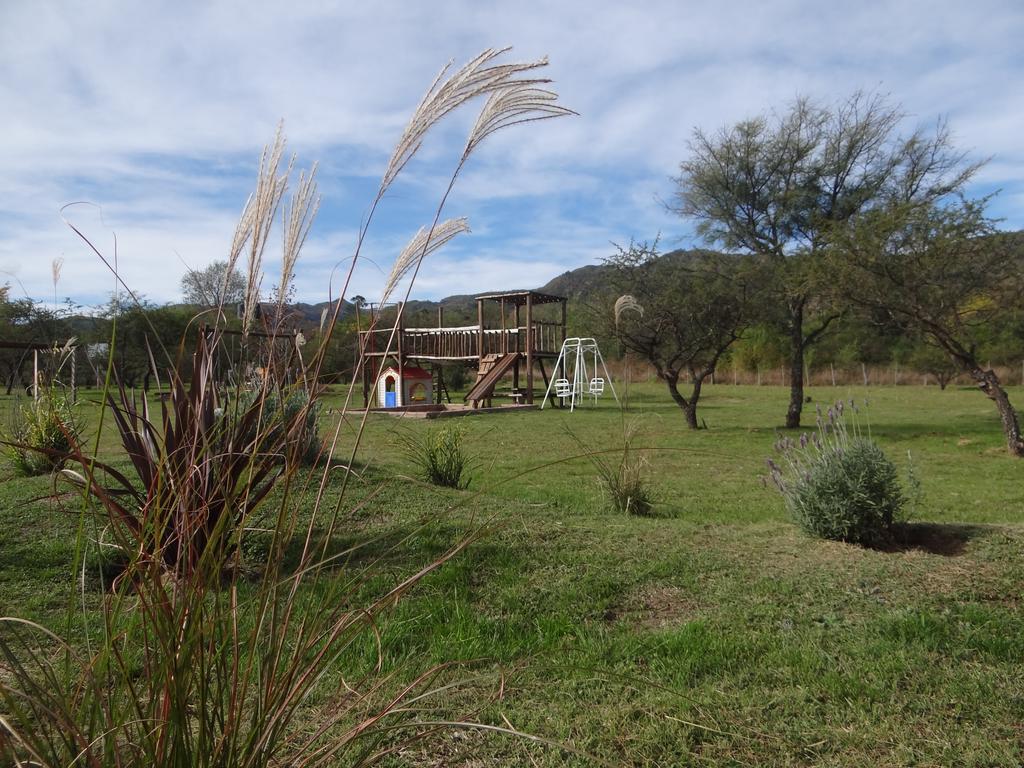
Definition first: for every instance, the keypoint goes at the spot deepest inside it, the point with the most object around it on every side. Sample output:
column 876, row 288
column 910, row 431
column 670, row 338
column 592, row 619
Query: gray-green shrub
column 838, row 484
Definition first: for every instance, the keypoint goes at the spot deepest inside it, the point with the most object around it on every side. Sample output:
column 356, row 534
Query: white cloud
column 157, row 111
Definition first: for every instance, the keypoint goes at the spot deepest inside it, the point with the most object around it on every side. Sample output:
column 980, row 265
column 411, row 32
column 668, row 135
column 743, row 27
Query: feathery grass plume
column 475, row 78
column 424, row 243
column 297, row 219
column 517, row 103
column 624, row 304
column 243, row 231
column 270, row 189
column 55, row 269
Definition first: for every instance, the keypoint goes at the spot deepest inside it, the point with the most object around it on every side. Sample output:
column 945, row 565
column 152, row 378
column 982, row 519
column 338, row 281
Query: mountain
column 578, row 285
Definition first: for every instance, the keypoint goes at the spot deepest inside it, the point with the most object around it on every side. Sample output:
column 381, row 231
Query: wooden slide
column 492, row 369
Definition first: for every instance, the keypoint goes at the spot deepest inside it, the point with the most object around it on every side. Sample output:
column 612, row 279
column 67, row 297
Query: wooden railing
column 465, row 342
column 441, row 343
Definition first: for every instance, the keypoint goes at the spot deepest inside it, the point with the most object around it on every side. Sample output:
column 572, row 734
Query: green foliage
column 759, row 348
column 199, row 475
column 439, row 455
column 926, row 358
column 286, row 418
column 838, row 484
column 455, row 377
column 41, row 434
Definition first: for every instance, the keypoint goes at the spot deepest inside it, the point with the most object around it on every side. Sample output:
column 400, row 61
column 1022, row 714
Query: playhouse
column 401, row 386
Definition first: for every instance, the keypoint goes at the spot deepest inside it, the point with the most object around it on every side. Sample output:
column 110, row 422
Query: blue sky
column 156, row 112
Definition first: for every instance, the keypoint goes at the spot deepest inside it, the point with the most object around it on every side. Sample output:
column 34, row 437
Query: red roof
column 411, row 372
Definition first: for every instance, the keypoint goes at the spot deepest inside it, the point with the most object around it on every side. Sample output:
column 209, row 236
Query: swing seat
column 563, row 388
column 597, row 386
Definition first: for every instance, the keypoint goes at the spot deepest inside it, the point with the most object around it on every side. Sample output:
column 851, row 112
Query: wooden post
column 529, row 348
column 519, row 344
column 480, row 328
column 565, row 324
column 365, row 373
column 400, row 384
column 35, row 374
column 504, row 338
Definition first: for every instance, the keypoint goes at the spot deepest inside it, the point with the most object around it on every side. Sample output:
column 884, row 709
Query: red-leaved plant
column 191, row 663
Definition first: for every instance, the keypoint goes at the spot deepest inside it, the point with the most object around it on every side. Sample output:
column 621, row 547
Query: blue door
column 389, row 400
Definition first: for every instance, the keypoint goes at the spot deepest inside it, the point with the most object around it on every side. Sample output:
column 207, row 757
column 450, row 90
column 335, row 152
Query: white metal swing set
column 573, row 358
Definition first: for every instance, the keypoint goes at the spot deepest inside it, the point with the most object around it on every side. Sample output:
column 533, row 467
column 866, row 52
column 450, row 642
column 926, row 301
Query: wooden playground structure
column 528, row 329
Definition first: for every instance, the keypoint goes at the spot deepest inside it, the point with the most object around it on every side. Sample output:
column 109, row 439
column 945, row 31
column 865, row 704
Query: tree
column 214, row 286
column 941, row 270
column 146, row 335
column 777, row 187
column 680, row 312
column 24, row 321
column 931, row 360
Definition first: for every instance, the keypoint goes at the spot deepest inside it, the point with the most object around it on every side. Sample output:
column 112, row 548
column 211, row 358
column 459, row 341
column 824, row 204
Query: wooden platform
column 449, row 411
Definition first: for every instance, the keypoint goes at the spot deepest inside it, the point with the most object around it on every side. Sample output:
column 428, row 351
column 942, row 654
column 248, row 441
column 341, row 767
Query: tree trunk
column 796, row 386
column 689, row 407
column 988, row 382
column 16, row 371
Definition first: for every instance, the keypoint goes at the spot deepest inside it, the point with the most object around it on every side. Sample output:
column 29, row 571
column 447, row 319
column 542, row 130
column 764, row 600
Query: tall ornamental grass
column 188, row 662
column 439, row 455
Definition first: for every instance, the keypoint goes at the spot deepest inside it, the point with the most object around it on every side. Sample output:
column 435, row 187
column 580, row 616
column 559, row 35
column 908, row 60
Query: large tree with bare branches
column 778, row 186
column 216, row 285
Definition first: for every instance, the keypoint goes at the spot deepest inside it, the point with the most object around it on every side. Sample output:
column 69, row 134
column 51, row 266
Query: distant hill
column 578, row 285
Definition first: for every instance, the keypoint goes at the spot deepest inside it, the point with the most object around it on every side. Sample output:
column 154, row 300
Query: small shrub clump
column 41, row 434
column 838, row 484
column 623, row 476
column 625, row 484
column 290, row 413
column 439, row 455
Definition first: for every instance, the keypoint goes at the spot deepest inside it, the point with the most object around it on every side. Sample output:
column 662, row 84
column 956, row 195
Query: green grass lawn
column 713, row 633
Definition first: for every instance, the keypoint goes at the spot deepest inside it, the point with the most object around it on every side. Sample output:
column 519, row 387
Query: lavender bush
column 838, row 484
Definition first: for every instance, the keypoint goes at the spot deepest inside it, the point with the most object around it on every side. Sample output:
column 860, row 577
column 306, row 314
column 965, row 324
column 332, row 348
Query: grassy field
column 714, row 632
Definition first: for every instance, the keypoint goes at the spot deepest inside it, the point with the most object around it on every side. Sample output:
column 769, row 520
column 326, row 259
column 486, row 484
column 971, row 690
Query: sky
column 151, row 117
